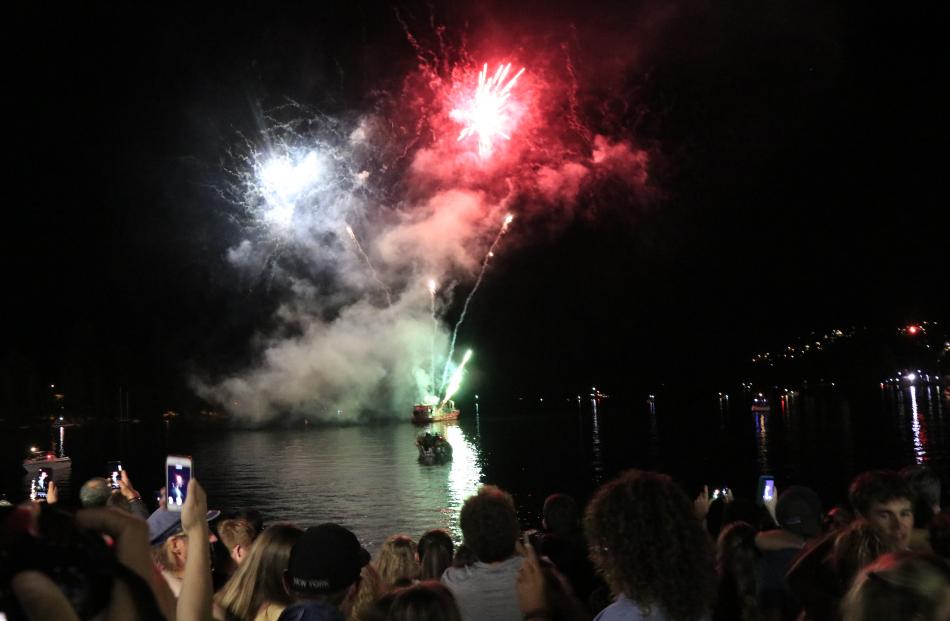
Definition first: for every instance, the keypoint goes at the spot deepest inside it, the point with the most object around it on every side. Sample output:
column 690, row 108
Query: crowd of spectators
column 642, row 549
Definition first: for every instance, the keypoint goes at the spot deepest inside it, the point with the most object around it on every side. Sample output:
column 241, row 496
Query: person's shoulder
column 310, row 611
column 454, row 576
column 624, row 609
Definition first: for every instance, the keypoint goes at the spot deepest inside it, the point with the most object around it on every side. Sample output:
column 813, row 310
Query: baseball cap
column 327, row 558
column 799, row 510
column 163, row 524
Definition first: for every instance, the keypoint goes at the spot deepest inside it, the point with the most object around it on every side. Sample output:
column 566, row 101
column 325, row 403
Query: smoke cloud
column 356, row 216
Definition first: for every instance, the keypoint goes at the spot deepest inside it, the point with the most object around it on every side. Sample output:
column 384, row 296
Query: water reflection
column 365, row 477
column 465, row 473
column 654, row 429
column 596, row 452
column 762, row 442
column 918, row 428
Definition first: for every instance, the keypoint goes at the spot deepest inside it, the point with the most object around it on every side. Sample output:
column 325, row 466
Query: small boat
column 423, row 414
column 46, row 459
column 433, row 449
column 760, row 403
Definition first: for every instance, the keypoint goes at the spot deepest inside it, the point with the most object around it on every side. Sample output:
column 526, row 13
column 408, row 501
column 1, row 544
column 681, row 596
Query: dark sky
column 797, row 152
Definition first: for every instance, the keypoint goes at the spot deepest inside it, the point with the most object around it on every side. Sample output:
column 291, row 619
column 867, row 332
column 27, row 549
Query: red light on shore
column 912, row 330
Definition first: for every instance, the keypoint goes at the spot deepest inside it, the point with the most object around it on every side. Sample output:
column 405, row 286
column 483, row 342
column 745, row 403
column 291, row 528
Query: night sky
column 797, row 171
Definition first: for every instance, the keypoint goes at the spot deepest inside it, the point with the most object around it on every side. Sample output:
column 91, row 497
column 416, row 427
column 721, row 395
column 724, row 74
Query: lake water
column 368, row 477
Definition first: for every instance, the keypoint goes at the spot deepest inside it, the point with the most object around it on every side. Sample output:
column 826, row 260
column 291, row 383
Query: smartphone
column 178, row 471
column 115, row 474
column 766, row 489
column 39, row 486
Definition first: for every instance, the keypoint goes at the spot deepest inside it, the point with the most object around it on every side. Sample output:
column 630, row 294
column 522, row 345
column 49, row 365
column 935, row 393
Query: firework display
column 432, row 179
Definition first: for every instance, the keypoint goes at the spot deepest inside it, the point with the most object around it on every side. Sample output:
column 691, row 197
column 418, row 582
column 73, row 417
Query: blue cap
column 162, row 524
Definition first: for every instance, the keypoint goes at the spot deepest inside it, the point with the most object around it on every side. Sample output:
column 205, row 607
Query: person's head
column 926, row 486
column 900, row 586
column 559, row 515
column 489, row 524
column 360, row 606
column 736, row 557
column 168, row 540
column 799, row 510
column 940, row 535
column 237, row 535
column 838, row 517
column 464, row 556
column 735, row 548
column 647, row 543
column 857, row 546
column 425, row 601
column 324, row 564
column 252, row 517
column 259, row 579
column 118, row 501
column 397, row 564
column 435, row 551
column 95, row 493
column 885, row 499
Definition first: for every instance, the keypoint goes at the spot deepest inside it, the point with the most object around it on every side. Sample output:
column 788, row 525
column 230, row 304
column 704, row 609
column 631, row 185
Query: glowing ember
column 486, row 114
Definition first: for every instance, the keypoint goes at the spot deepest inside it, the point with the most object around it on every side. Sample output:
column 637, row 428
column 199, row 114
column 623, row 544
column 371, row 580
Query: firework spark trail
column 456, row 382
column 486, row 114
column 573, row 117
column 471, row 294
column 435, row 329
column 369, row 264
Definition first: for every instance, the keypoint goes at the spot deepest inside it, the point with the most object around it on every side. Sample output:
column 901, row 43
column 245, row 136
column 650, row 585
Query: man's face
column 895, row 517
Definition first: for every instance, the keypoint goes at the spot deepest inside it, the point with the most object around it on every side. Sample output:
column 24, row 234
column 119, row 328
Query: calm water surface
column 368, row 477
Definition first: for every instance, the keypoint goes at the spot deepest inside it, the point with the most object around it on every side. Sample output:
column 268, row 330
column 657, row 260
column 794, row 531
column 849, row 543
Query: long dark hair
column 435, row 554
column 736, row 556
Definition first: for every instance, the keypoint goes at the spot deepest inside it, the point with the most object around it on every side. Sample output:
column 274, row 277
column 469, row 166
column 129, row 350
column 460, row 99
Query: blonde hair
column 899, row 586
column 164, row 556
column 259, row 579
column 370, row 588
column 397, row 561
column 859, row 545
column 236, row 532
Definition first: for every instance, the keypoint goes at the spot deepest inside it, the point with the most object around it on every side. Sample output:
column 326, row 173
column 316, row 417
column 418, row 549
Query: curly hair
column 397, row 562
column 489, row 524
column 647, row 543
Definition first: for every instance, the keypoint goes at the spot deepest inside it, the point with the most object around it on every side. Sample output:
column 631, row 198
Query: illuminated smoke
column 369, row 265
column 427, row 206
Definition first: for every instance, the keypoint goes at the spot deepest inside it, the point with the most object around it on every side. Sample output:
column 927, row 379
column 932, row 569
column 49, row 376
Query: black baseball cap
column 328, row 558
